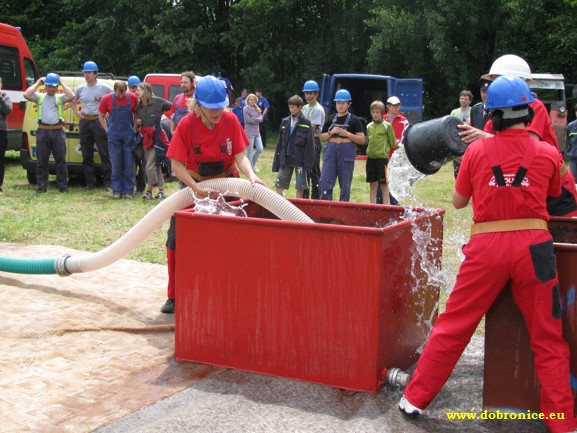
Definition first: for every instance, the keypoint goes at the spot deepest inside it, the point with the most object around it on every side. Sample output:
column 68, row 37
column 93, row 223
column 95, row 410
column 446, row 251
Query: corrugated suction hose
column 67, row 265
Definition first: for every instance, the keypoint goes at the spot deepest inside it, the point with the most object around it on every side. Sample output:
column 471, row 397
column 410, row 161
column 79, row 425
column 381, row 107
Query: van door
column 173, row 90
column 410, row 92
column 326, row 92
column 158, row 89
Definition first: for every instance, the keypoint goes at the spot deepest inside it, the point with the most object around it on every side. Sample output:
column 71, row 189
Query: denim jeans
column 257, row 142
column 573, row 166
column 338, row 163
column 120, row 148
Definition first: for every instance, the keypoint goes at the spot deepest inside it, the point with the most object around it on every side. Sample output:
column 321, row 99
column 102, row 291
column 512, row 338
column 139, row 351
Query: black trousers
column 47, row 142
column 314, row 175
column 91, row 134
column 3, row 147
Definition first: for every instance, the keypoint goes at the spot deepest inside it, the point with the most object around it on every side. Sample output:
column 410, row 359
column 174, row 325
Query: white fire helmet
column 509, row 64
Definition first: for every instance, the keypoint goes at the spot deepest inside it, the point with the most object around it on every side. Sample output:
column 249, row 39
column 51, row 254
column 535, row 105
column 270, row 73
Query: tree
column 280, row 44
column 445, row 42
column 450, row 44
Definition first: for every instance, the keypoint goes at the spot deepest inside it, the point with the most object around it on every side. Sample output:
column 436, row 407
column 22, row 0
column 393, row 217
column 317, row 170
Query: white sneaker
column 408, row 409
column 256, row 170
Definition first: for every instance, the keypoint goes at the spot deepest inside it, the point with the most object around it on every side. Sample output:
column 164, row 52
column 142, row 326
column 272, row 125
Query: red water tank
column 337, row 302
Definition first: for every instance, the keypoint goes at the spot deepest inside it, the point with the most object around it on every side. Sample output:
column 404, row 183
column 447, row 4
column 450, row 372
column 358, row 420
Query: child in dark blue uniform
column 295, row 149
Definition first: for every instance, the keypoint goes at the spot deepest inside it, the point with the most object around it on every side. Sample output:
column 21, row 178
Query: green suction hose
column 29, row 266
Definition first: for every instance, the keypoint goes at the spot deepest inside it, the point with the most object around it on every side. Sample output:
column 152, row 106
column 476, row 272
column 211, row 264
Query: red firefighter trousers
column 525, row 260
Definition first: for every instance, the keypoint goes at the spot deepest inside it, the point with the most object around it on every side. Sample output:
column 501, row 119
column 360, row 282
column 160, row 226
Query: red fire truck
column 18, row 71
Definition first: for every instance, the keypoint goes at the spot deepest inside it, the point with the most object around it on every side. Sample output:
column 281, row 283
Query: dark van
column 366, row 88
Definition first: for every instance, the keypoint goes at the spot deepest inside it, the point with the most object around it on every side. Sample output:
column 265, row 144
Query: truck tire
column 31, row 176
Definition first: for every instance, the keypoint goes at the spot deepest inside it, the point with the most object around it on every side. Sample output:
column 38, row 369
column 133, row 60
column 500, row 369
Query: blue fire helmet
column 508, row 91
column 342, row 95
column 133, row 80
column 52, row 79
column 311, row 86
column 90, row 66
column 210, row 93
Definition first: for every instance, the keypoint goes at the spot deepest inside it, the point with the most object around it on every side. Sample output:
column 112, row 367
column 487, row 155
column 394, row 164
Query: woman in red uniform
column 207, row 145
column 508, row 177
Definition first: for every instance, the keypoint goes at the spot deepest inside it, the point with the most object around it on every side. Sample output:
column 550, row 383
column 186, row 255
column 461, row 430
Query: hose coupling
column 398, row 378
column 60, row 266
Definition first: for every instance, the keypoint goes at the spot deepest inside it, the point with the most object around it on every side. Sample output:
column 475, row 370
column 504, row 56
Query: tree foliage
column 451, row 44
column 277, row 45
column 282, row 43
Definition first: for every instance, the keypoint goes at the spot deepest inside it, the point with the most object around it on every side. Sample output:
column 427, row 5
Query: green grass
column 92, row 220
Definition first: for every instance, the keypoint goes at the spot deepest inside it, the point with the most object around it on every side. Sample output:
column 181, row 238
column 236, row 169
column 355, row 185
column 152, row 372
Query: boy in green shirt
column 381, row 140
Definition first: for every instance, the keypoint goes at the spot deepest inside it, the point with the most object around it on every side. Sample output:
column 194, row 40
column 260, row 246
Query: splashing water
column 424, row 250
column 218, row 206
column 402, row 177
column 424, row 269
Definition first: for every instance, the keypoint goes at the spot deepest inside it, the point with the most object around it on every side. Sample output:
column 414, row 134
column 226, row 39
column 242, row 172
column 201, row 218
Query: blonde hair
column 252, row 95
column 146, row 96
column 378, row 105
column 192, row 106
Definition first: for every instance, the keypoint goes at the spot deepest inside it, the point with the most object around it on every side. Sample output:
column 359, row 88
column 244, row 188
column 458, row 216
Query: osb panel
column 80, row 351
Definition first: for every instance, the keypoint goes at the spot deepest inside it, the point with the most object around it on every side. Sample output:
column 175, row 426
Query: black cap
column 484, row 84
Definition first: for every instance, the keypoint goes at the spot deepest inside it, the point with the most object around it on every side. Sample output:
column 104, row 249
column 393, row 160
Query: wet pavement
column 235, row 401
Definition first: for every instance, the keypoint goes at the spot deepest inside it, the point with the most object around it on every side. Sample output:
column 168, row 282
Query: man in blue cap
column 50, row 136
column 138, row 152
column 316, row 114
column 507, row 177
column 133, row 82
column 89, row 95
